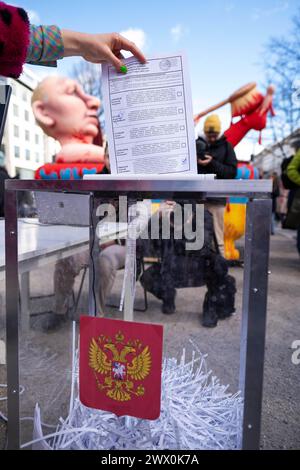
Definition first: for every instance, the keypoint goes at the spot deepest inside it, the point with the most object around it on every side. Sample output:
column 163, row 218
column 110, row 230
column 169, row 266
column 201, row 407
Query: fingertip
column 140, row 57
column 123, row 69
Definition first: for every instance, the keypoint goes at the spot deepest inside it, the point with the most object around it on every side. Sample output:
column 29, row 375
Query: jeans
column 111, row 259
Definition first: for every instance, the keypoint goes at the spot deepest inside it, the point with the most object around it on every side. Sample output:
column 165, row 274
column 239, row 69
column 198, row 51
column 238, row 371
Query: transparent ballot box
column 141, row 250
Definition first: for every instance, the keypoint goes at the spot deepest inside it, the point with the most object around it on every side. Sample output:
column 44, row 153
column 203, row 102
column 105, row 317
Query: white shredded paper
column 197, row 412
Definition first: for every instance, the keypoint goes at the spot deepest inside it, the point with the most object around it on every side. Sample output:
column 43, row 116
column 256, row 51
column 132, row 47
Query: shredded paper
column 197, row 412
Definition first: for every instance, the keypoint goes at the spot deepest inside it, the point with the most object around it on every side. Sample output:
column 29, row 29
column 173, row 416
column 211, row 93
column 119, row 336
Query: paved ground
column 45, row 358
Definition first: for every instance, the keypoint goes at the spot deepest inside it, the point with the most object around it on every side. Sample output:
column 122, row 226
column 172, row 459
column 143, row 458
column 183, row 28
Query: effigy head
column 64, row 111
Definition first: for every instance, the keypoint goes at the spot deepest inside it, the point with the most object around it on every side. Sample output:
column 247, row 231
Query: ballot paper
column 149, row 117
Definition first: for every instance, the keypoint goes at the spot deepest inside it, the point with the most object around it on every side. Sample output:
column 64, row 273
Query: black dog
column 179, row 268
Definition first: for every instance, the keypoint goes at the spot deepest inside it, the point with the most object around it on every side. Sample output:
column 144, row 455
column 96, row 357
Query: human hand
column 98, row 48
column 206, row 161
column 167, row 207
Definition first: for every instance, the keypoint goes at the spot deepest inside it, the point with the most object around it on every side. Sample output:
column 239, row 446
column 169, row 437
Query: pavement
column 45, row 359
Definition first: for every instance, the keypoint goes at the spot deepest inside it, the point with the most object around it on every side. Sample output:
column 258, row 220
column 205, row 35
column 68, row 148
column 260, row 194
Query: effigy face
column 66, row 113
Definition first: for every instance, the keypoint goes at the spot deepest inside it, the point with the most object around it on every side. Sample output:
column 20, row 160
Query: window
column 16, row 131
column 37, row 157
column 37, row 139
column 26, row 116
column 24, row 96
column 17, row 152
column 16, row 110
column 27, row 154
column 27, row 136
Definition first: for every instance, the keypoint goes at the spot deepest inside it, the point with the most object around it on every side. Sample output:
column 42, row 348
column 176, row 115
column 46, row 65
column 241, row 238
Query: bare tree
column 89, row 76
column 282, row 65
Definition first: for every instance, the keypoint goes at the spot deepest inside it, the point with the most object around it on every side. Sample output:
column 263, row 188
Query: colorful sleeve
column 46, row 45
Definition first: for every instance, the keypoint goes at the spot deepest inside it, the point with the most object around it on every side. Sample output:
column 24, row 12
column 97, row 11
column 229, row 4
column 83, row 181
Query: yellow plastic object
column 154, row 207
column 234, row 228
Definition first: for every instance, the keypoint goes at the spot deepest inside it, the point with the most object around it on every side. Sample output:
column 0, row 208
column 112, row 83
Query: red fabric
column 120, row 367
column 237, row 131
column 14, row 40
column 60, row 170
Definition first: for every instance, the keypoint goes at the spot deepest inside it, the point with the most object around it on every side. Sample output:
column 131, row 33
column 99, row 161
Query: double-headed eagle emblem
column 119, row 367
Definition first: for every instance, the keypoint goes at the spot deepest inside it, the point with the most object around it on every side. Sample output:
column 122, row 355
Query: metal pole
column 253, row 331
column 94, row 257
column 130, row 274
column 12, row 326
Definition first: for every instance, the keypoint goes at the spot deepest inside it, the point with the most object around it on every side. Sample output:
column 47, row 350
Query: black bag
column 287, row 183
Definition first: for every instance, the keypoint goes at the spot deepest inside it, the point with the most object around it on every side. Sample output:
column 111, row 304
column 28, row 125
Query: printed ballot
column 149, row 117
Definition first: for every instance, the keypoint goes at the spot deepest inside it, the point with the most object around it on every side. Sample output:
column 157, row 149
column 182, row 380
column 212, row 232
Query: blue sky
column 223, row 39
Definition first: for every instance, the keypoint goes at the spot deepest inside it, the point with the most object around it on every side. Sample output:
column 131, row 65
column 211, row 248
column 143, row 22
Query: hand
column 208, row 159
column 98, row 48
column 167, row 207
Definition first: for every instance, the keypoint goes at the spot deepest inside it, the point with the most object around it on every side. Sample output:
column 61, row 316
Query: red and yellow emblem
column 120, row 366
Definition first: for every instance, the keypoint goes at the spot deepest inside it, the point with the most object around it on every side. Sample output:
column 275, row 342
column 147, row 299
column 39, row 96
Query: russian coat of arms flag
column 120, row 367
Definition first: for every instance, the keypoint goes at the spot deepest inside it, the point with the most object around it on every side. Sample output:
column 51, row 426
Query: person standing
column 293, row 173
column 215, row 155
column 275, row 196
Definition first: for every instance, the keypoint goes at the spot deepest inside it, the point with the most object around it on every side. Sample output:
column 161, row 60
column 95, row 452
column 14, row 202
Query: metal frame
column 5, row 94
column 258, row 228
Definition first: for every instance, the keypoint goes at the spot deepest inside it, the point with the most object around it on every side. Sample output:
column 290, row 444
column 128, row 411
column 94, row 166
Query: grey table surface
column 35, row 240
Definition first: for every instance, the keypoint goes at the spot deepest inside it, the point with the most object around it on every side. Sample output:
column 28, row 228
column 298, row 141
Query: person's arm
column 49, row 44
column 98, row 48
column 293, row 170
column 44, row 45
column 227, row 170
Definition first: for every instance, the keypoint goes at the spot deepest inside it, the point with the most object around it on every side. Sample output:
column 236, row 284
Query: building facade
column 270, row 159
column 25, row 146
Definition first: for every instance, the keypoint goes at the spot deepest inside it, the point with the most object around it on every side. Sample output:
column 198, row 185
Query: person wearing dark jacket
column 215, row 155
column 293, row 172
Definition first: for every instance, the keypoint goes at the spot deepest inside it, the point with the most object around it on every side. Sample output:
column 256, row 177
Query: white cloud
column 178, row 31
column 34, row 17
column 136, row 35
column 279, row 7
